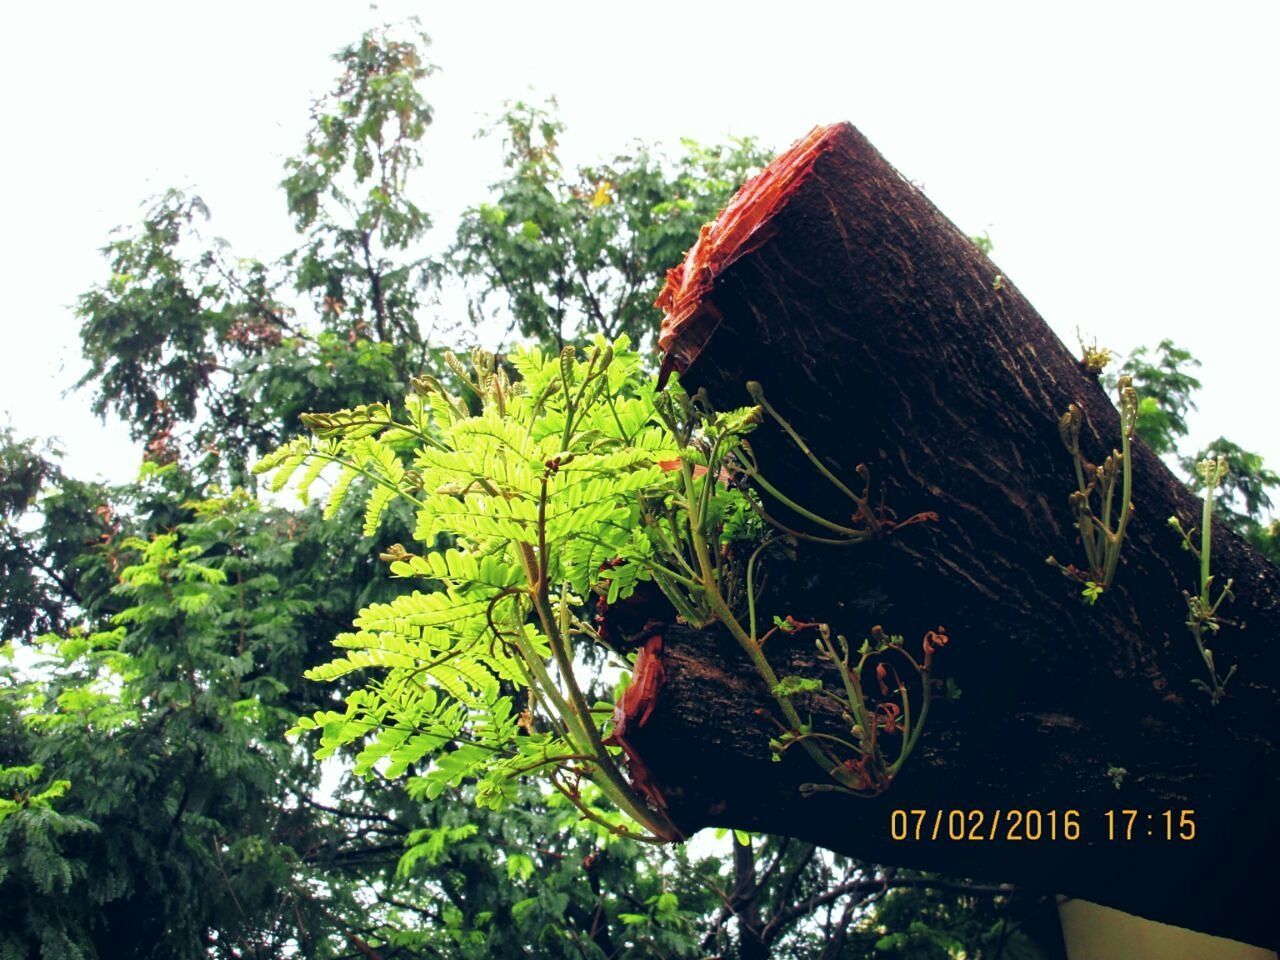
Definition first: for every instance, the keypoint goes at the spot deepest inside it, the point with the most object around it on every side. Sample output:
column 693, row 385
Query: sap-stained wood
column 885, row 337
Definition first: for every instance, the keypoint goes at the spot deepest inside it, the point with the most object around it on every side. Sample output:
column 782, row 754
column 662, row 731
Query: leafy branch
column 572, row 480
column 563, row 449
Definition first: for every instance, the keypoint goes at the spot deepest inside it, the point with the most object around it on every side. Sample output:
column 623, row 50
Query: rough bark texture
column 888, row 338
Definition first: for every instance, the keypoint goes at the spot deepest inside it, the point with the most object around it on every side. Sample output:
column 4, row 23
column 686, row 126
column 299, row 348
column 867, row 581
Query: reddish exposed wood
column 633, row 711
column 745, row 223
column 640, row 698
column 885, row 337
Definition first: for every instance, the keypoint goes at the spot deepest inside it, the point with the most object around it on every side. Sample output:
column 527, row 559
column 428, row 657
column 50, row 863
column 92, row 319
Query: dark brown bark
column 888, row 338
column 746, row 905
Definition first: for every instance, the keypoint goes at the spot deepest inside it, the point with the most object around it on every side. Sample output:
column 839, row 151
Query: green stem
column 381, row 481
column 1105, row 522
column 758, row 396
column 852, row 685
column 751, row 589
column 1206, row 540
column 684, row 608
column 807, row 514
column 669, row 548
column 575, row 712
column 1126, row 467
column 818, row 735
column 622, row 433
column 545, row 761
column 709, row 480
column 555, row 717
column 1085, row 516
column 777, row 524
column 616, row 829
column 390, row 424
column 910, row 744
column 748, row 643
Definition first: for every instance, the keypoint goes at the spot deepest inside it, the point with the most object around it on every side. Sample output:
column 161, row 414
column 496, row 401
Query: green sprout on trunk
column 1202, row 609
column 1101, row 532
column 718, row 469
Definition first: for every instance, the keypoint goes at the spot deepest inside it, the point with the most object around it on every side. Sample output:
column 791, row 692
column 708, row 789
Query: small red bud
column 882, row 674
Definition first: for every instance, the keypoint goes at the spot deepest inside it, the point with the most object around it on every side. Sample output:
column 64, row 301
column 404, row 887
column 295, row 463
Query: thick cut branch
column 887, row 338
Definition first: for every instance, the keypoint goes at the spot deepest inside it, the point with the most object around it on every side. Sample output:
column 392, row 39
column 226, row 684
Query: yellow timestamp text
column 1034, row 826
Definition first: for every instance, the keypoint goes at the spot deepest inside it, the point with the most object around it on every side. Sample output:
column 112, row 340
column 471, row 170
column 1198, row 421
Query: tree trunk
column 887, row 338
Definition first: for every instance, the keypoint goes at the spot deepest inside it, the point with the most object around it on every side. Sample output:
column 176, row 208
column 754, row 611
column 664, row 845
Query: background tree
column 1166, row 388
column 185, row 613
column 568, row 252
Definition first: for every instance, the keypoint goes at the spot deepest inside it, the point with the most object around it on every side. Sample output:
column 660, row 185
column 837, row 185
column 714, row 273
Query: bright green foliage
column 585, row 250
column 535, row 492
column 21, row 784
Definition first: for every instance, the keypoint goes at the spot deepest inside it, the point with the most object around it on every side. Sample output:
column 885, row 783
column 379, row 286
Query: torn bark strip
column 689, row 320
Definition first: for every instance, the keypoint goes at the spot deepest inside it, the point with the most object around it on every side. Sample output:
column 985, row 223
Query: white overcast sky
column 1124, row 157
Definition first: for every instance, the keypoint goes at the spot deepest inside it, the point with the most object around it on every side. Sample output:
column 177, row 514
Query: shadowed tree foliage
column 202, row 350
column 569, row 251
